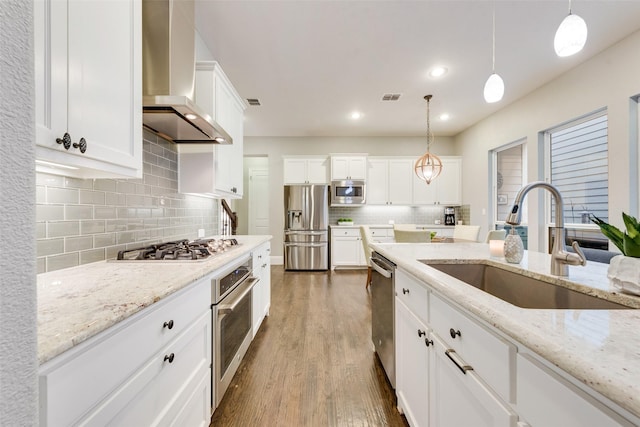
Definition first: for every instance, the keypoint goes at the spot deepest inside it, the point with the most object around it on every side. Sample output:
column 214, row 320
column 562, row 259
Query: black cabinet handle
column 168, row 325
column 428, row 342
column 169, row 358
column 65, row 141
column 405, row 290
column 454, row 333
column 82, row 144
column 421, row 333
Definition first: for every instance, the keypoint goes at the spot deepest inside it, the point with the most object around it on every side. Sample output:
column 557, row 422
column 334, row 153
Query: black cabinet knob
column 82, row 144
column 405, row 290
column 428, row 342
column 169, row 358
column 421, row 333
column 65, row 141
column 168, row 325
column 454, row 333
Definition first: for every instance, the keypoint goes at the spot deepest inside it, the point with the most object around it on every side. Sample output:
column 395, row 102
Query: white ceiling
column 311, row 63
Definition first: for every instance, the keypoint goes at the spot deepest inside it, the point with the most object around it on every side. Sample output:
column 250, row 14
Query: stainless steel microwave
column 347, row 192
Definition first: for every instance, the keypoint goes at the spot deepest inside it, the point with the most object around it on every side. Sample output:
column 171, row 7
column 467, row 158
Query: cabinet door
column 348, row 167
column 412, row 362
column 88, row 84
column 346, row 251
column 544, row 399
column 400, row 184
column 449, row 182
column 295, row 171
column 378, row 182
column 316, row 171
column 460, row 398
column 423, row 193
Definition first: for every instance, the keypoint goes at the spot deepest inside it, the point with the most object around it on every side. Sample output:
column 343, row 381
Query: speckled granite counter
column 77, row 303
column 600, row 348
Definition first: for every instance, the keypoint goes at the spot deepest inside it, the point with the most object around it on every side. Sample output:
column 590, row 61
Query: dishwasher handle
column 377, row 266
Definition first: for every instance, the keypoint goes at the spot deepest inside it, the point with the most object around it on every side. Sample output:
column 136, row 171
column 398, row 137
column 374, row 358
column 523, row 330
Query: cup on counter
column 496, row 248
column 459, row 222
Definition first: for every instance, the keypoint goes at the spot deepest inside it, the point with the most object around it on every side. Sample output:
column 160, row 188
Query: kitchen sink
column 523, row 291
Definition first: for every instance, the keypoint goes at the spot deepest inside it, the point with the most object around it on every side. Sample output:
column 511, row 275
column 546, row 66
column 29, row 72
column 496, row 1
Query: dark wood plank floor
column 312, row 362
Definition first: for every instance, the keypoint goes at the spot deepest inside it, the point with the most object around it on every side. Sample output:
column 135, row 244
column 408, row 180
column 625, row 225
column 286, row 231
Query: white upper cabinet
column 214, row 169
column 349, row 167
column 305, row 170
column 88, row 82
column 445, row 190
column 389, row 181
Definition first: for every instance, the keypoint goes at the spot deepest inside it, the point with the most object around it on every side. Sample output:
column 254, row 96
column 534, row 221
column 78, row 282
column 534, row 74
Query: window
column 578, row 167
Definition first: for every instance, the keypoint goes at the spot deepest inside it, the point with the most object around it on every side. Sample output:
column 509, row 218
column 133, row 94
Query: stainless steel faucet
column 560, row 258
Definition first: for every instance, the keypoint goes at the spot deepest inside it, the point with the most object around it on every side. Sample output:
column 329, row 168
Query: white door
column 258, row 201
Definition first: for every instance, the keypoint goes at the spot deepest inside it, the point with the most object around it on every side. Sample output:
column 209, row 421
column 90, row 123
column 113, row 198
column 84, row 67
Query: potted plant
column 345, row 221
column 624, row 270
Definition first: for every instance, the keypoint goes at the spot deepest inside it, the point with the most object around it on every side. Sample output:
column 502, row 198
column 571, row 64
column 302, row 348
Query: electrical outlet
column 201, row 232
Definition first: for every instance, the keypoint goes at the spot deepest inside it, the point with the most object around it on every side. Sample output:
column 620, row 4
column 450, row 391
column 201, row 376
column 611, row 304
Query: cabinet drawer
column 77, row 380
column 544, row 399
column 413, row 294
column 381, row 232
column 490, row 356
column 345, row 232
column 161, row 388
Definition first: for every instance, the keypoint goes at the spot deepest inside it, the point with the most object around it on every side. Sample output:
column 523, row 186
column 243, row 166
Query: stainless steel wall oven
column 232, row 320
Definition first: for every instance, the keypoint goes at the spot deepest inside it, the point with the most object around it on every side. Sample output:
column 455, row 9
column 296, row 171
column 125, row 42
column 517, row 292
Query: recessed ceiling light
column 191, row 116
column 356, row 115
column 437, row 71
column 444, row 117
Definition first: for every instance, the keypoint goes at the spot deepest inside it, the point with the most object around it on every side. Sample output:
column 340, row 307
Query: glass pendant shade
column 571, row 36
column 428, row 167
column 493, row 88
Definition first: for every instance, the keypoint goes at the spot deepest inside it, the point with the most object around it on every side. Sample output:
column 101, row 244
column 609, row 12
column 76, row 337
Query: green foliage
column 629, row 241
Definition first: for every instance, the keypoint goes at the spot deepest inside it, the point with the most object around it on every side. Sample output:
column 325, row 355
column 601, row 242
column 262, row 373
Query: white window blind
column 579, row 168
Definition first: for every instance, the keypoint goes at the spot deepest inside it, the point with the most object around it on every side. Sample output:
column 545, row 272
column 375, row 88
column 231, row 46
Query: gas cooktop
column 179, row 250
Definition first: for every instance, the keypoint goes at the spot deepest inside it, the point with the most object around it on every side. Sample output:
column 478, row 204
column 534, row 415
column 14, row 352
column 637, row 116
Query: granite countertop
column 74, row 304
column 390, row 226
column 600, row 348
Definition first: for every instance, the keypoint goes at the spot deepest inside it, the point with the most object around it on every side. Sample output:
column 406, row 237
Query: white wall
column 18, row 342
column 607, row 80
column 276, row 147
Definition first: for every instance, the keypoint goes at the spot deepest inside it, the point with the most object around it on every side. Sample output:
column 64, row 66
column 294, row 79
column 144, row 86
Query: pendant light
column 429, row 166
column 570, row 36
column 494, row 87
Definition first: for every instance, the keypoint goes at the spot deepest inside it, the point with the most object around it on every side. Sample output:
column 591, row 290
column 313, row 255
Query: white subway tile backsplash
column 63, row 228
column 78, row 212
column 74, row 244
column 62, row 195
column 81, row 221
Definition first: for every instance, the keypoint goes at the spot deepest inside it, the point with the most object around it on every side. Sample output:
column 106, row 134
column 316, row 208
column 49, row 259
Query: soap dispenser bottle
column 513, row 247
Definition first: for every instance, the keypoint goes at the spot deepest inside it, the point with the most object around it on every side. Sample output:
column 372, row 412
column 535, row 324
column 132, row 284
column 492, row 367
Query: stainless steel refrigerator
column 306, row 234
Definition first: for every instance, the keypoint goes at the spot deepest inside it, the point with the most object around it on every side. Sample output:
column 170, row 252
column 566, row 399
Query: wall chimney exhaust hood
column 168, row 75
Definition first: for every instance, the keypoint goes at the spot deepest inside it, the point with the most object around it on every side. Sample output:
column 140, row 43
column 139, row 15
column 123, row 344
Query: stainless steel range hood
column 168, row 75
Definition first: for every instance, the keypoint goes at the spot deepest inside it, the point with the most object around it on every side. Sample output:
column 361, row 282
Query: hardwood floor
column 312, row 362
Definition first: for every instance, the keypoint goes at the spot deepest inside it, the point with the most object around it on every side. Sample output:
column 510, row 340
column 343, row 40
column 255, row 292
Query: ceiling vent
column 253, row 101
column 391, row 96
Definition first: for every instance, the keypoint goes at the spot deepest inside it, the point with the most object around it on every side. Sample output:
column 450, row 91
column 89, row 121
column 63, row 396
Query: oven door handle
column 242, row 291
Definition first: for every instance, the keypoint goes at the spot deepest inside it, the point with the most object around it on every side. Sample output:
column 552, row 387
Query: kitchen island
column 597, row 351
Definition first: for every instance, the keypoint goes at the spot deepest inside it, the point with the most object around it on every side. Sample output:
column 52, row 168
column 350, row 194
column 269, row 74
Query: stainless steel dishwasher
column 382, row 313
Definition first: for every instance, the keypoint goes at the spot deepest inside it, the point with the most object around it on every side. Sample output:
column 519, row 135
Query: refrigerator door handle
column 306, row 233
column 306, row 245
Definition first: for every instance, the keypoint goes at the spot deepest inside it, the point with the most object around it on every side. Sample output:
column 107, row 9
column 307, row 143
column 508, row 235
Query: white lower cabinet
column 262, row 290
column 145, row 370
column 459, row 397
column 412, row 366
column 472, row 375
column 545, row 399
column 346, row 248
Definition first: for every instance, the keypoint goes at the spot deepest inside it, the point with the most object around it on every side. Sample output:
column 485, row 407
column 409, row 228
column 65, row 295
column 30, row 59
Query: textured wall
column 82, row 221
column 18, row 365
